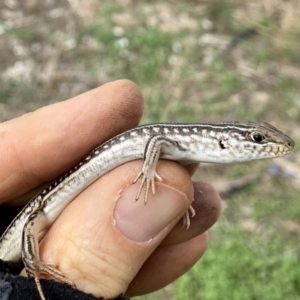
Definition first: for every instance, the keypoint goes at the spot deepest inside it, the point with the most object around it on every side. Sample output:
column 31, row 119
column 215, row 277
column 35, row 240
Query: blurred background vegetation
column 194, row 61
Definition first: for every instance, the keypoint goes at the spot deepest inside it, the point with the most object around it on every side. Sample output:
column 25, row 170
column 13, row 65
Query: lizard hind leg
column 49, row 270
column 35, row 224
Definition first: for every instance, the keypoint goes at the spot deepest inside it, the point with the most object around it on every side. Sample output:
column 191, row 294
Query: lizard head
column 257, row 141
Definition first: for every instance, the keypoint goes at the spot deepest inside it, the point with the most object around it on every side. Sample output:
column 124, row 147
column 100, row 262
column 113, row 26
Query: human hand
column 103, row 241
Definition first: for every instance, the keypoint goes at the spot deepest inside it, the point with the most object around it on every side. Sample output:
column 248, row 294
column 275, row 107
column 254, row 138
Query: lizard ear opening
column 222, row 146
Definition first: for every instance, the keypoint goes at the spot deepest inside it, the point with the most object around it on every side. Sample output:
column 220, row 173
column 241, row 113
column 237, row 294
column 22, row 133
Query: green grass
column 256, row 261
column 242, row 266
column 12, row 90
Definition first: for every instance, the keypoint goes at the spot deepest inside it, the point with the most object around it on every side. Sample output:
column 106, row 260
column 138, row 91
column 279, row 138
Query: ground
column 201, row 61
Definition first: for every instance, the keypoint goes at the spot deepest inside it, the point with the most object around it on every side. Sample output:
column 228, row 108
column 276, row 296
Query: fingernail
column 140, row 222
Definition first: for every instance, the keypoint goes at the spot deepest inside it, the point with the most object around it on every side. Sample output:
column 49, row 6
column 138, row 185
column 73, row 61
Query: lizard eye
column 257, row 137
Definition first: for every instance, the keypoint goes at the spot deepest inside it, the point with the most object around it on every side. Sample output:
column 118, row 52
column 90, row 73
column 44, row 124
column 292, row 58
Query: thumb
column 103, row 237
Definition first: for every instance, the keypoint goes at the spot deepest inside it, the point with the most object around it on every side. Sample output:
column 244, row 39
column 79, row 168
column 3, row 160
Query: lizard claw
column 187, row 217
column 146, row 180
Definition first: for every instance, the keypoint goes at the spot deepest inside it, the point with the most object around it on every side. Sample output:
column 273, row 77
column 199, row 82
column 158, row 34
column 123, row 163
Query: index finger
column 39, row 146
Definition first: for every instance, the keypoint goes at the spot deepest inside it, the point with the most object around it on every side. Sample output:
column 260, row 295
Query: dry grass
column 177, row 52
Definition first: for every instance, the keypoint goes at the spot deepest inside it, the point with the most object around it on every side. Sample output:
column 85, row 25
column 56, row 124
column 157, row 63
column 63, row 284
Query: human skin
column 104, row 241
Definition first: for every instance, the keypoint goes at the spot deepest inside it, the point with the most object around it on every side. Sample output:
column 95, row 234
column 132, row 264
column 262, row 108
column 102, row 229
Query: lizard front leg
column 156, row 146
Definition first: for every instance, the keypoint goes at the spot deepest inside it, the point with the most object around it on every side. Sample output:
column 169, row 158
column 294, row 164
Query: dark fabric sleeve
column 15, row 287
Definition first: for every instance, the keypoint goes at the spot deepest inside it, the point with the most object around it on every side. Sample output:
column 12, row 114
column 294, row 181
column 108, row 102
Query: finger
column 166, row 264
column 192, row 168
column 182, row 246
column 39, row 146
column 103, row 237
